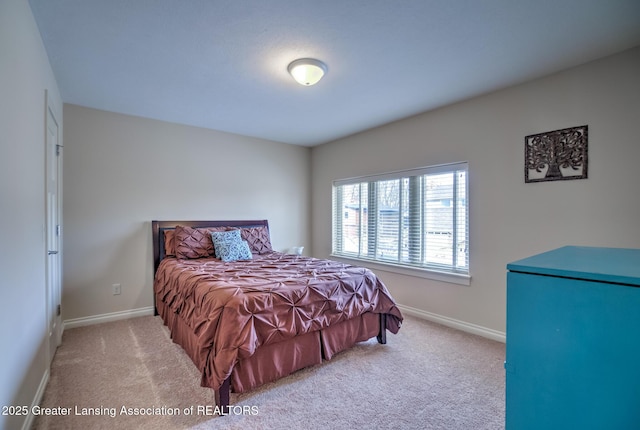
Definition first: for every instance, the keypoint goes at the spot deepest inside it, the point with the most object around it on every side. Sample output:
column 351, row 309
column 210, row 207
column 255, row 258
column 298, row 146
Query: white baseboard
column 102, row 318
column 28, row 423
column 454, row 323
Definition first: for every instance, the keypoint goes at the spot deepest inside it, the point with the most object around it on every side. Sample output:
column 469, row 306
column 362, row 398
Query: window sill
column 453, row 278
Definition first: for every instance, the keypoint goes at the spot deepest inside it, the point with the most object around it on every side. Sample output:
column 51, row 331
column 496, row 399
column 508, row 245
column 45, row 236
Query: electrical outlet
column 117, row 289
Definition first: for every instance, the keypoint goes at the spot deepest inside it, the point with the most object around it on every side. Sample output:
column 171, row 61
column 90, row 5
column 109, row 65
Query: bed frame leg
column 382, row 335
column 222, row 395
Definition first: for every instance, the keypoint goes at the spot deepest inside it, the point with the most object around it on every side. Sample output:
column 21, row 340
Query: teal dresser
column 573, row 340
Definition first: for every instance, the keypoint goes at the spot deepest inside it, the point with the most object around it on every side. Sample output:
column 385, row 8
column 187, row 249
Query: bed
column 249, row 321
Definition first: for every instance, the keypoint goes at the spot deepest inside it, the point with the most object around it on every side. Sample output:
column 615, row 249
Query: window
column 417, row 219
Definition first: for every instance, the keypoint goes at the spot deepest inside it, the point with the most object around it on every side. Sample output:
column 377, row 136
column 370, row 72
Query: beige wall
column 509, row 219
column 25, row 73
column 121, row 172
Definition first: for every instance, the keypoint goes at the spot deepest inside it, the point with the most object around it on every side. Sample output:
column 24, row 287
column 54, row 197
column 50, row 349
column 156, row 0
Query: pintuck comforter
column 233, row 308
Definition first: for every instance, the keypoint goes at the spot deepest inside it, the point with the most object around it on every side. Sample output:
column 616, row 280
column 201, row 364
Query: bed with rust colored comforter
column 234, row 308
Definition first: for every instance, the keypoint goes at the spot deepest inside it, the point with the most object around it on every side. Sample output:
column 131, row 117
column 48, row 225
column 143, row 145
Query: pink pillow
column 194, row 242
column 169, row 244
column 257, row 238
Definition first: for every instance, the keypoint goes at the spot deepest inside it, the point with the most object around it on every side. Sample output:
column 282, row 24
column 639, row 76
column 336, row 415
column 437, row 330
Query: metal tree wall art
column 556, row 155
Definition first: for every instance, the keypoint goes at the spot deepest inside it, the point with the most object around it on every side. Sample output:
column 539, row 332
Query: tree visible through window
column 417, row 218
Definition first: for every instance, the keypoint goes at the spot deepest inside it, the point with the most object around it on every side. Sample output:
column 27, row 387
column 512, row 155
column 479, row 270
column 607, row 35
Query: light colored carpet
column 425, row 377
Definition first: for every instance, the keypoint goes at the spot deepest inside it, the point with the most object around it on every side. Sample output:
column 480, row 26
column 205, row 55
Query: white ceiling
column 222, row 64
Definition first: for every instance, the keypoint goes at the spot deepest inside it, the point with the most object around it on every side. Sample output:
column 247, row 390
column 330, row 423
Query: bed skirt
column 274, row 361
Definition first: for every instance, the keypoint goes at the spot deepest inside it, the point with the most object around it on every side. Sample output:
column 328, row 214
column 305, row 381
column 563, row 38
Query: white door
column 53, row 232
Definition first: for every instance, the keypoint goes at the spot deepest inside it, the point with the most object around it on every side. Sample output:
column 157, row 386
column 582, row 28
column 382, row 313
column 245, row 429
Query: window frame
column 430, row 270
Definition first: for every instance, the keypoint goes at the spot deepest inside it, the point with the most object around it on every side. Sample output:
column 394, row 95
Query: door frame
column 53, row 287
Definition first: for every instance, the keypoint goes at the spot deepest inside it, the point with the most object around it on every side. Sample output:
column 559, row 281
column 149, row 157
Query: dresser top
column 615, row 265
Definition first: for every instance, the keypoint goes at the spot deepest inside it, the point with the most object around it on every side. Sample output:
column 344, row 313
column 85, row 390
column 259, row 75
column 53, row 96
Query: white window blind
column 417, row 218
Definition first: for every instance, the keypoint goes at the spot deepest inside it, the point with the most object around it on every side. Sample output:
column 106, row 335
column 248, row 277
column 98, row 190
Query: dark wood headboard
column 158, row 228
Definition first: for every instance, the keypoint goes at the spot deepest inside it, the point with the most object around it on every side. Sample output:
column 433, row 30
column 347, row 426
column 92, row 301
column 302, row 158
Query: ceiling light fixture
column 307, row 71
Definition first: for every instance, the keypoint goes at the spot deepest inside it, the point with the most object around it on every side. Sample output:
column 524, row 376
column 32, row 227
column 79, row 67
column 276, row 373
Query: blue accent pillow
column 229, row 246
column 233, row 251
column 219, row 237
